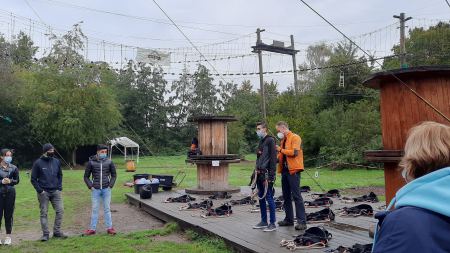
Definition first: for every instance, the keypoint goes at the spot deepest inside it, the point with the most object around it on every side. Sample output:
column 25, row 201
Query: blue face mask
column 102, row 156
column 260, row 134
column 7, row 159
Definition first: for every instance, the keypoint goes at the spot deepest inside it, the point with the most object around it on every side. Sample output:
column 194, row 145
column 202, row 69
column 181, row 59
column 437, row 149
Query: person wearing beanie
column 103, row 172
column 46, row 178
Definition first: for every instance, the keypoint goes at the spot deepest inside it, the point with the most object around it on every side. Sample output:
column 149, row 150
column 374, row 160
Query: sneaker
column 60, row 235
column 285, row 223
column 7, row 241
column 260, row 225
column 111, row 231
column 89, row 232
column 270, row 228
column 300, row 226
column 44, row 238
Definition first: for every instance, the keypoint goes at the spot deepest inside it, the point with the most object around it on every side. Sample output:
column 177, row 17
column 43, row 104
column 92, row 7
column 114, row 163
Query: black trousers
column 7, row 201
column 290, row 185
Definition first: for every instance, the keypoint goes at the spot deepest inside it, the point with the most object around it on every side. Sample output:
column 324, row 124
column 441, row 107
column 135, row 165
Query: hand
column 6, row 180
column 278, row 148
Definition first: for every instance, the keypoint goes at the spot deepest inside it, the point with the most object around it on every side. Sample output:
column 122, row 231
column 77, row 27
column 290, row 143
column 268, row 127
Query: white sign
column 153, row 57
column 215, row 163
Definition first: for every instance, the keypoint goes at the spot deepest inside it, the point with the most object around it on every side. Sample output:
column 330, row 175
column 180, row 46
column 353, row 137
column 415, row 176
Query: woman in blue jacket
column 420, row 221
column 9, row 176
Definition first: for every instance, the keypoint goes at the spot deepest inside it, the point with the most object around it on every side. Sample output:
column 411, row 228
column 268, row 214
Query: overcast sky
column 216, row 21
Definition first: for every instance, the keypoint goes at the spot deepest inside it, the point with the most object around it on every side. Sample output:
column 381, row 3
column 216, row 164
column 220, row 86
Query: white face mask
column 280, row 135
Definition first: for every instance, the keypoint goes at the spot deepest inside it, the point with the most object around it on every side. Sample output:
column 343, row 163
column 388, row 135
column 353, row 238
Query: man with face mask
column 290, row 164
column 103, row 173
column 265, row 177
column 46, row 177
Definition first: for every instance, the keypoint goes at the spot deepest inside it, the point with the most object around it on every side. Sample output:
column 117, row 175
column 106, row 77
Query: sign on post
column 154, row 57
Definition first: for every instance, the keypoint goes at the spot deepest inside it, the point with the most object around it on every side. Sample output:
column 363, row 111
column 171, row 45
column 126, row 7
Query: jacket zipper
column 101, row 174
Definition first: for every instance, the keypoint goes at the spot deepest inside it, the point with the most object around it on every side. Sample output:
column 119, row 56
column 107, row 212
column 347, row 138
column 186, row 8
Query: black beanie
column 101, row 146
column 46, row 147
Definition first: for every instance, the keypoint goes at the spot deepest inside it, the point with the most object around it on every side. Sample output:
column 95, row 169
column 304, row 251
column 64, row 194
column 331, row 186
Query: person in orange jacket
column 290, row 165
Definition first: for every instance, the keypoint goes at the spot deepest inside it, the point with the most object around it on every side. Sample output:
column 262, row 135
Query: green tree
column 245, row 105
column 205, row 96
column 424, row 47
column 67, row 114
column 66, row 100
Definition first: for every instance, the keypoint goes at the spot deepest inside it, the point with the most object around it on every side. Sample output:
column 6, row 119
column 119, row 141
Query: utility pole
column 261, row 78
column 276, row 47
column 403, row 20
column 294, row 67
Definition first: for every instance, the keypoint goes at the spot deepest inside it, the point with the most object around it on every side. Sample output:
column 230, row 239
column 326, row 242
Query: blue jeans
column 101, row 195
column 262, row 202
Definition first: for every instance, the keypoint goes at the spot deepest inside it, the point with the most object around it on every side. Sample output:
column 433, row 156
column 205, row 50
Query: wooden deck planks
column 237, row 230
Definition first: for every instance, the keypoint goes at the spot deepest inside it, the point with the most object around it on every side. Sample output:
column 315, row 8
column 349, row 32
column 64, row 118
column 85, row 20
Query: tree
column 245, row 105
column 14, row 122
column 180, row 102
column 424, row 47
column 354, row 73
column 66, row 101
column 316, row 56
column 205, row 96
column 66, row 114
column 344, row 131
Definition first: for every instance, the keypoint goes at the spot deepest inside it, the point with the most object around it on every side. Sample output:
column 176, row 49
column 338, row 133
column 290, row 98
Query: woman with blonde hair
column 420, row 221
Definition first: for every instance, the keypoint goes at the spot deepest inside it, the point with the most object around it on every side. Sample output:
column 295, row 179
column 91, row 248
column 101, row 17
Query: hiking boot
column 111, row 231
column 7, row 241
column 285, row 223
column 59, row 235
column 89, row 232
column 270, row 228
column 260, row 225
column 44, row 238
column 300, row 226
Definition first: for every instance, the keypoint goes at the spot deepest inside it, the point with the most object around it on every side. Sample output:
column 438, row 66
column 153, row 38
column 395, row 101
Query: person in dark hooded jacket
column 46, row 178
column 420, row 221
column 265, row 177
column 103, row 173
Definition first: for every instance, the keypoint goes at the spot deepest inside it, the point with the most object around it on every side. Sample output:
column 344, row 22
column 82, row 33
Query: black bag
column 146, row 192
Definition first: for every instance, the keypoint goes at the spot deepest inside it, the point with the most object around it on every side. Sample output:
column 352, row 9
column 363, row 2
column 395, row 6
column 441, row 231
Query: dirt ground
column 126, row 218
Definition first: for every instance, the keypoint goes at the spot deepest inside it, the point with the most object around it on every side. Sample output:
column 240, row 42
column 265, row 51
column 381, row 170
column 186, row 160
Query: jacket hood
column 431, row 192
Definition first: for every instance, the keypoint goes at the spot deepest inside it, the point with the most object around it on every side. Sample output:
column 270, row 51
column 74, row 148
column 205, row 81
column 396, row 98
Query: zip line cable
column 376, row 61
column 448, row 3
column 189, row 40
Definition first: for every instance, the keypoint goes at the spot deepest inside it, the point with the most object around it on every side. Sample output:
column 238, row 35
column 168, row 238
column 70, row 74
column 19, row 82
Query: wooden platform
column 237, row 230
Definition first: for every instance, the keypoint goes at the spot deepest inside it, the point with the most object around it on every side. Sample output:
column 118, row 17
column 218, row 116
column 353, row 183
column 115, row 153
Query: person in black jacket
column 46, row 178
column 9, row 176
column 265, row 169
column 104, row 176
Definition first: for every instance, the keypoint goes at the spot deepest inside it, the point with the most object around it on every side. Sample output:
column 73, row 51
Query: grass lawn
column 133, row 242
column 77, row 199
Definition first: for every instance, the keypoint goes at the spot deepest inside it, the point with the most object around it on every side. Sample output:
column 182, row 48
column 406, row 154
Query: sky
column 140, row 23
